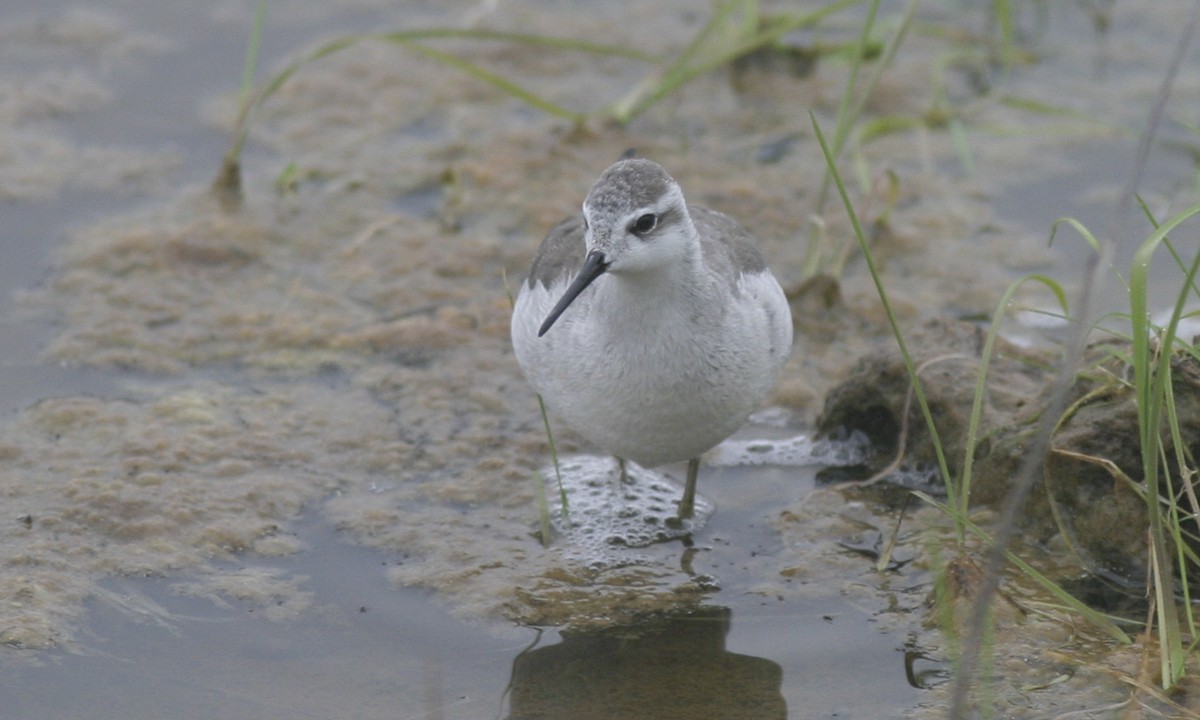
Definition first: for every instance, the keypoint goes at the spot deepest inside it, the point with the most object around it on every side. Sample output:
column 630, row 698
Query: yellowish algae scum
column 340, row 347
column 325, row 350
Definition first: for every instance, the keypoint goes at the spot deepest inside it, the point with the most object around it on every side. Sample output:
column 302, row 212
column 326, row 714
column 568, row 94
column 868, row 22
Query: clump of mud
column 1094, row 467
column 1086, row 495
column 877, row 400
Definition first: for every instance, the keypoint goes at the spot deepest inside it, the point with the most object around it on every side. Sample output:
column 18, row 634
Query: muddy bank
column 1085, row 498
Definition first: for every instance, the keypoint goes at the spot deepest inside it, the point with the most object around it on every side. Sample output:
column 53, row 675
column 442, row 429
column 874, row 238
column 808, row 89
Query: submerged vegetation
column 735, row 30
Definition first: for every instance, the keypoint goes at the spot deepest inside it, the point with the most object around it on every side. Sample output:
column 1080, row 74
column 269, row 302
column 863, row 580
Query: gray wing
column 728, row 249
column 561, row 253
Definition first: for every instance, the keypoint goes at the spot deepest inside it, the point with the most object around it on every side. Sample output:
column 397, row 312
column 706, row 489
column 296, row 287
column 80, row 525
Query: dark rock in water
column 946, row 353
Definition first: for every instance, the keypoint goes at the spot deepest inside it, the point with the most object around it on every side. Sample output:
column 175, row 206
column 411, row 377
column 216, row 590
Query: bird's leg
column 687, row 505
column 621, row 465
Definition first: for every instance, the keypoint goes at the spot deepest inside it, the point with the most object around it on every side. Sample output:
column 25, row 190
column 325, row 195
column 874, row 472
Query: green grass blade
column 1079, row 227
column 1175, row 517
column 228, row 184
column 411, row 38
column 507, row 86
column 1150, row 375
column 1088, row 237
column 965, row 476
column 650, row 89
column 694, row 61
column 540, row 490
column 252, row 51
column 850, row 99
column 1174, row 527
column 1041, row 107
column 1141, row 330
column 1166, row 242
column 562, row 491
column 552, row 42
column 539, row 494
column 962, row 148
column 918, row 388
column 847, row 126
column 884, row 62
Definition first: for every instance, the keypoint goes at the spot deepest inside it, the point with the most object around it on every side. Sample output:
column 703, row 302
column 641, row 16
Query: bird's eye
column 645, row 223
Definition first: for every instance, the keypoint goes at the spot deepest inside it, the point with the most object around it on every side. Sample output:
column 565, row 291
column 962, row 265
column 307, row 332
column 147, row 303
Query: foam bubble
column 799, row 450
column 608, row 518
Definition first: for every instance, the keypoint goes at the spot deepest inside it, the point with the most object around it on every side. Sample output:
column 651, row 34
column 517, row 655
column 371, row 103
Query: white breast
column 651, row 376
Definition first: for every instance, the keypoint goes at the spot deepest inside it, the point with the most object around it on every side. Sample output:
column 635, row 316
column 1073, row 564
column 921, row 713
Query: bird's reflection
column 669, row 668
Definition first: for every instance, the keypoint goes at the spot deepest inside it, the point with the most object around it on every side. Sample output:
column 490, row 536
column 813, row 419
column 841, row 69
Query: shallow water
column 281, row 463
column 365, row 648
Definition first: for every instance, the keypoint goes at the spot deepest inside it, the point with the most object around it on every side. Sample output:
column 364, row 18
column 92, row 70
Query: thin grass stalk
column 1099, row 620
column 918, row 388
column 504, row 85
column 228, row 184
column 411, row 39
column 1151, row 372
column 855, row 111
column 1181, row 456
column 1167, row 348
column 1174, row 520
column 750, row 17
column 850, row 109
column 553, row 42
column 964, row 480
column 1003, row 12
column 539, row 493
column 682, row 70
column 562, row 491
column 656, row 85
column 843, row 122
column 962, row 148
column 1088, row 237
column 885, row 58
column 845, row 118
column 251, row 61
column 1170, row 655
column 402, row 37
column 1167, row 244
column 540, row 490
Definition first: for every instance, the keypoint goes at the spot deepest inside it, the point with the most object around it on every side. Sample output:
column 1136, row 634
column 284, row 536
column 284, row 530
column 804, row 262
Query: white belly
column 654, row 382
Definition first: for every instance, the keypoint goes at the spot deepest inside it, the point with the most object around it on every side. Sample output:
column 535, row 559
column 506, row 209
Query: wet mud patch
column 162, row 483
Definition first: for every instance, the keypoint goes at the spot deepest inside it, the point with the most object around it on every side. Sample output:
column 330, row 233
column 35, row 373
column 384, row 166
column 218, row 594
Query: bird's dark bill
column 594, row 266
